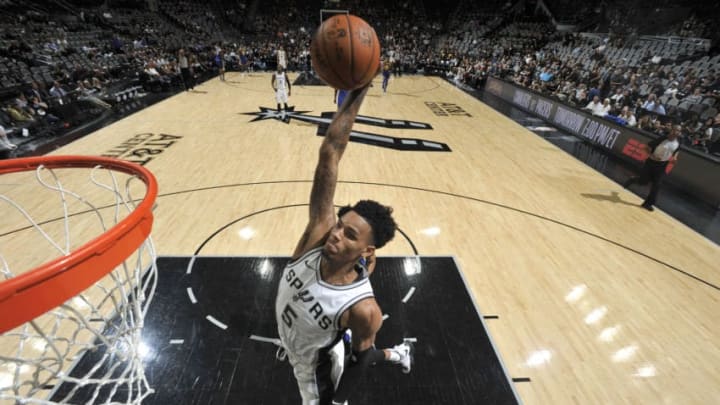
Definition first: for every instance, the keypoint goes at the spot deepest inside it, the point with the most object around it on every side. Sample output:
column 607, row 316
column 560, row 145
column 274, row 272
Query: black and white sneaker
column 406, row 351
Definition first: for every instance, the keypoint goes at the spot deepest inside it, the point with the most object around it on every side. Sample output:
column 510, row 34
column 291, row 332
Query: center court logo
column 369, row 138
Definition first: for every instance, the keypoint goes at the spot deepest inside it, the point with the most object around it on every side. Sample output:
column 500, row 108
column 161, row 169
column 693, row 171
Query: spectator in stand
column 86, row 94
column 628, row 99
column 596, row 107
column 57, row 91
column 594, row 89
column 650, row 122
column 565, row 91
column 581, row 95
column 606, row 107
column 22, row 104
column 546, row 75
column 653, row 105
column 696, row 97
column 18, row 115
column 714, row 131
column 618, row 99
column 36, row 92
column 672, row 91
column 618, row 79
column 698, row 134
column 627, row 115
column 713, row 79
column 685, row 91
column 155, row 75
column 41, row 109
column 96, row 84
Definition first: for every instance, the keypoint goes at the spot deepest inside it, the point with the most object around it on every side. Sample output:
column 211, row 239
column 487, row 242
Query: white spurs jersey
column 280, row 82
column 308, row 310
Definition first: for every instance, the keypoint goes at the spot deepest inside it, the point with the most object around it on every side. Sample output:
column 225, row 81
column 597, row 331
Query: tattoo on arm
column 332, row 149
column 323, row 190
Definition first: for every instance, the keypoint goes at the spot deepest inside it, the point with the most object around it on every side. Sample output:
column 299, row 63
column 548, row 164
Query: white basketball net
column 89, row 349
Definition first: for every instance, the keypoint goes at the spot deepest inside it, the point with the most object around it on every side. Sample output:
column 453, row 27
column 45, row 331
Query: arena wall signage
column 696, row 172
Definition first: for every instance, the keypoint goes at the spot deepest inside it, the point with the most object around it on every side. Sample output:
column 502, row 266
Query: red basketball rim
column 47, row 286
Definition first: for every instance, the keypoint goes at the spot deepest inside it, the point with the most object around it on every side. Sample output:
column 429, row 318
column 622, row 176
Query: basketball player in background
column 324, row 290
column 339, row 97
column 220, row 62
column 244, row 63
column 385, row 75
column 281, row 84
column 397, row 63
column 281, row 59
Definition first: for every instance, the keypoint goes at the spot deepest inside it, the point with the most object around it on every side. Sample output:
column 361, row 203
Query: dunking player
column 324, row 290
column 281, row 84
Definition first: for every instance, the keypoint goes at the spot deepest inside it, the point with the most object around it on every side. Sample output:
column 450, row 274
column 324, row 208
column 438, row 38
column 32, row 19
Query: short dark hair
column 378, row 216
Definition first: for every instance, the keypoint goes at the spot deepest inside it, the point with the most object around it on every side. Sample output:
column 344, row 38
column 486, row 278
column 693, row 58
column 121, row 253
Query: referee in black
column 187, row 78
column 661, row 151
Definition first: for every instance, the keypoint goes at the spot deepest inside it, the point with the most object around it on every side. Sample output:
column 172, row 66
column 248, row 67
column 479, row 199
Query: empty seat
column 697, row 108
column 684, row 106
column 709, row 113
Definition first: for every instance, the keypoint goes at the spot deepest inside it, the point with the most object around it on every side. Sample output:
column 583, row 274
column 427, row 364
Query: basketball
column 345, row 52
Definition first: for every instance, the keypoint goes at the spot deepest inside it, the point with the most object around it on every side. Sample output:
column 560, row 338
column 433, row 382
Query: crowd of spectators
column 643, row 85
column 85, row 59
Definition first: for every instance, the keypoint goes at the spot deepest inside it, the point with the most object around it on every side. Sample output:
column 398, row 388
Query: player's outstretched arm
column 322, row 211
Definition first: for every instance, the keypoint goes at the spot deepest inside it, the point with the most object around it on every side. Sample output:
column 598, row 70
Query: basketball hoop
column 92, row 299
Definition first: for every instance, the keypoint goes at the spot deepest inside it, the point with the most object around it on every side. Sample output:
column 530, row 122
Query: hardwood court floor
column 598, row 302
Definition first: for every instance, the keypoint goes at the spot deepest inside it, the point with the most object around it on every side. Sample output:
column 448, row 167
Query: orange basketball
column 345, row 52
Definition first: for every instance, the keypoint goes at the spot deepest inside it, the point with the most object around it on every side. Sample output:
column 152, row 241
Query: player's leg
column 338, row 356
column 307, row 384
column 278, row 99
column 401, row 354
column 284, row 99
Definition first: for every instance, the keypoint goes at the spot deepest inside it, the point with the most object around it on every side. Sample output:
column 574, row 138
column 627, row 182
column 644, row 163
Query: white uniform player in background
column 281, row 84
column 324, row 291
column 282, row 59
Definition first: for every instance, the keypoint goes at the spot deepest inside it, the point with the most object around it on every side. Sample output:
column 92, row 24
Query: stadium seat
column 697, row 108
column 709, row 113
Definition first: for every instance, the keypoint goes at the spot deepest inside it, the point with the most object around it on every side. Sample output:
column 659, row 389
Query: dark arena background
column 526, row 269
